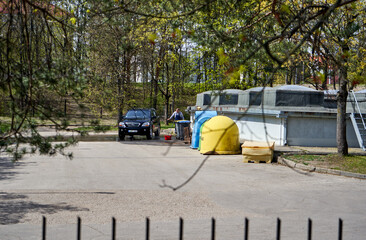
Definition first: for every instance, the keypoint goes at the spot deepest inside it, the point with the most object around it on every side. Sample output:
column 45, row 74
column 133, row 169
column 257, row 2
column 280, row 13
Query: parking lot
column 131, row 180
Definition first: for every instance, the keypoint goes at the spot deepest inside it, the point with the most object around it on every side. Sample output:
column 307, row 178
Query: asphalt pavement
column 133, row 179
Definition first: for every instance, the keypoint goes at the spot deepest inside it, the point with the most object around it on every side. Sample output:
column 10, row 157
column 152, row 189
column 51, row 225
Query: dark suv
column 139, row 122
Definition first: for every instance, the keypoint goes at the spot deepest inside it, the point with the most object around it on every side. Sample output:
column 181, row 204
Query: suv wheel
column 121, row 136
column 157, row 132
column 149, row 134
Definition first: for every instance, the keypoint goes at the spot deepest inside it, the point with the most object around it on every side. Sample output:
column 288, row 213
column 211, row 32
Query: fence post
column 181, row 228
column 147, row 228
column 213, row 226
column 43, row 228
column 246, row 229
column 65, row 107
column 79, row 229
column 310, row 228
column 113, row 228
column 278, row 237
column 340, row 229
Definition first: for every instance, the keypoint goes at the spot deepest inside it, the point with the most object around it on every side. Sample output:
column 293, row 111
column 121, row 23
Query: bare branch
column 185, row 14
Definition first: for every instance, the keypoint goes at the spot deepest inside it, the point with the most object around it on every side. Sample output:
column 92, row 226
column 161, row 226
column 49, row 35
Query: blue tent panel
column 199, row 118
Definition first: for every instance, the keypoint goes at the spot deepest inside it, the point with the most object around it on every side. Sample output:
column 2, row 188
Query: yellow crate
column 257, row 152
column 257, row 159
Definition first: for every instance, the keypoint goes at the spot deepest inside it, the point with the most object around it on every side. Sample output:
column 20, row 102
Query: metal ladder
column 358, row 123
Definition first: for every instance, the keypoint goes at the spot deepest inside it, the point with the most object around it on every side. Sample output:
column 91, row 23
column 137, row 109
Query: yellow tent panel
column 220, row 135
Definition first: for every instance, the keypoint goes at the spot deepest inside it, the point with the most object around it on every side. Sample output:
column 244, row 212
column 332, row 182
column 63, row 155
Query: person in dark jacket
column 177, row 115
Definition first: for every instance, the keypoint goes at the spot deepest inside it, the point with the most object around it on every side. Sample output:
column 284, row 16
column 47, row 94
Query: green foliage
column 104, row 57
column 167, row 126
column 38, row 64
column 4, row 127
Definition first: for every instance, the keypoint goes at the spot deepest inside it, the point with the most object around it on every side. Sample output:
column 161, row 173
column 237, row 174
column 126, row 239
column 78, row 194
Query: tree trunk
column 167, row 94
column 325, row 81
column 334, row 78
column 152, row 82
column 205, row 72
column 120, row 98
column 342, row 145
column 296, row 76
column 156, row 78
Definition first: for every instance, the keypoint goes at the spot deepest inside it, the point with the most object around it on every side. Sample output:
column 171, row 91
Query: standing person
column 177, row 115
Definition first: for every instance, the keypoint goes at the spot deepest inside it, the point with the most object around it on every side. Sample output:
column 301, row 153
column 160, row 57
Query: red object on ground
column 168, row 137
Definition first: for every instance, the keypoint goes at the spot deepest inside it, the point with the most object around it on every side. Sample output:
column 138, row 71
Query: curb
column 112, row 137
column 86, row 138
column 309, row 168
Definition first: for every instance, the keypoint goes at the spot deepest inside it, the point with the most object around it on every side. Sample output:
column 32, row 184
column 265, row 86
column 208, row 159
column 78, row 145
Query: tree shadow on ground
column 14, row 207
column 157, row 141
column 7, row 168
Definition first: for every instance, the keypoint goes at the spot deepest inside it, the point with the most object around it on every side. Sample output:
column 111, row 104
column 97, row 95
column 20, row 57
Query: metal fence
column 213, row 229
column 59, row 108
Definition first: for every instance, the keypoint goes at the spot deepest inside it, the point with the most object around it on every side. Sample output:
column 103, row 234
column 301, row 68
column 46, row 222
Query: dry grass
column 350, row 163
